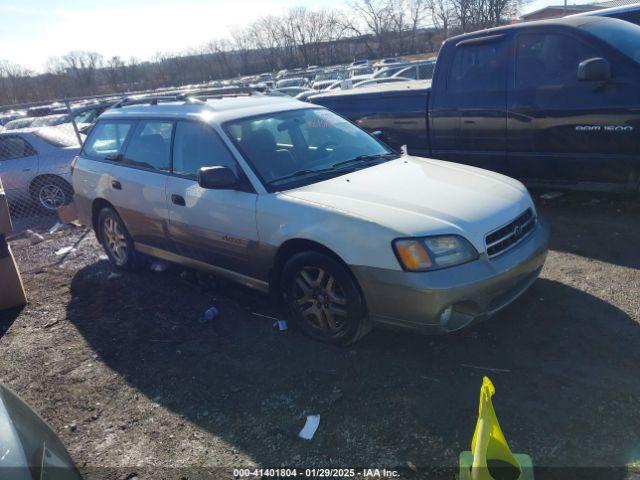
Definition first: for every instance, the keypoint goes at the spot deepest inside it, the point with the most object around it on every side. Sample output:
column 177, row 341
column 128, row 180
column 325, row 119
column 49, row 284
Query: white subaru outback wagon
column 290, row 198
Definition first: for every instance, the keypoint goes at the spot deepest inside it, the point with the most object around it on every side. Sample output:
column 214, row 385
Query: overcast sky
column 33, row 30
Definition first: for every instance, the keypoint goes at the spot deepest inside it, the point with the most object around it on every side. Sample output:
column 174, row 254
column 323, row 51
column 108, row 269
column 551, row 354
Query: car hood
column 417, row 196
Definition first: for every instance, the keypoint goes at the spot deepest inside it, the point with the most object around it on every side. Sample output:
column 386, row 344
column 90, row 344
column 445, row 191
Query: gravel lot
column 123, row 368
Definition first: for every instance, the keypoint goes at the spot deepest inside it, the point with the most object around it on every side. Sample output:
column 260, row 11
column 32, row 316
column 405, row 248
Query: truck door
column 468, row 111
column 562, row 129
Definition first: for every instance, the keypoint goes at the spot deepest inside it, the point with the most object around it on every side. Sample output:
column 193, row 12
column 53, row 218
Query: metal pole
column 73, row 121
column 564, row 14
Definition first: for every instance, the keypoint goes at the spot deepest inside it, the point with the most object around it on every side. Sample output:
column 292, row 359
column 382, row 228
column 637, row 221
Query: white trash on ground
column 65, row 250
column 310, row 427
column 159, row 266
column 551, row 195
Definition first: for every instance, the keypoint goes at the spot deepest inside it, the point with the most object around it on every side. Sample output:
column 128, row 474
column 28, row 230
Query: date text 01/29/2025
column 315, row 473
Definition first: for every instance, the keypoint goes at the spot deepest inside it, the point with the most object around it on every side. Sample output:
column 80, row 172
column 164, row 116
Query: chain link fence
column 37, row 148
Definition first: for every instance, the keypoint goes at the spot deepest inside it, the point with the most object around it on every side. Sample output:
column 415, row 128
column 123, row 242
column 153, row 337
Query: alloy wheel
column 52, row 196
column 321, row 301
column 115, row 240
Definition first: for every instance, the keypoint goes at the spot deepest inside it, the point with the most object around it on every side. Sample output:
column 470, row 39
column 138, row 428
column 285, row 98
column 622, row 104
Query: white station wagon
column 292, row 199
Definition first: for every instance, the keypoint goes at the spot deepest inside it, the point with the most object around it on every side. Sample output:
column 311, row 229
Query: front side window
column 106, row 140
column 150, row 145
column 479, row 67
column 196, row 145
column 549, row 59
column 286, row 149
column 14, row 147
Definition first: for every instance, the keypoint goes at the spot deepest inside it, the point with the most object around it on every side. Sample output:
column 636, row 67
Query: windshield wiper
column 301, row 173
column 333, row 168
column 365, row 158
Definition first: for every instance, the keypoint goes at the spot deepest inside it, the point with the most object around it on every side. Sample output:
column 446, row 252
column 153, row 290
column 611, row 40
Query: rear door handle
column 178, row 200
column 116, row 184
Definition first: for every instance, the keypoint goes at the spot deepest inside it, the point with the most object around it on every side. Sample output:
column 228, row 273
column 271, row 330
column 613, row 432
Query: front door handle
column 116, row 184
column 178, row 200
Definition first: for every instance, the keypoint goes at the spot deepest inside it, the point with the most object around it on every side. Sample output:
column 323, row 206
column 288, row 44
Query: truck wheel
column 324, row 299
column 116, row 241
column 51, row 192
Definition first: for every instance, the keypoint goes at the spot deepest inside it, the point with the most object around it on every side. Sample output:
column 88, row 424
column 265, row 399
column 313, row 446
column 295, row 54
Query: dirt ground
column 137, row 385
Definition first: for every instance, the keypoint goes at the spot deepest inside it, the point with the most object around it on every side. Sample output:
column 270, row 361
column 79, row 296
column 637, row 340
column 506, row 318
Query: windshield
column 287, row 149
column 621, row 35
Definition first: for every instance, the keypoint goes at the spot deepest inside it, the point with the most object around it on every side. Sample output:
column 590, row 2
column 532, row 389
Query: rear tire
column 116, row 241
column 51, row 192
column 324, row 299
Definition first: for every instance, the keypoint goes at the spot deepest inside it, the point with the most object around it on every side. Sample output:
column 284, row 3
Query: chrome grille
column 507, row 237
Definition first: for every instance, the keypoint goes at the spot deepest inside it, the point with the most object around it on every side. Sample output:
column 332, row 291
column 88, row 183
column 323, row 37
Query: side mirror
column 594, row 70
column 217, row 178
column 377, row 134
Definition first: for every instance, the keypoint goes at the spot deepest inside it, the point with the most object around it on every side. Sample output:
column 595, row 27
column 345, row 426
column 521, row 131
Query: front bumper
column 475, row 290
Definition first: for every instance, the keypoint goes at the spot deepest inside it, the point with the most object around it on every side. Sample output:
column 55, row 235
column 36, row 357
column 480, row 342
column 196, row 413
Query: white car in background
column 35, row 165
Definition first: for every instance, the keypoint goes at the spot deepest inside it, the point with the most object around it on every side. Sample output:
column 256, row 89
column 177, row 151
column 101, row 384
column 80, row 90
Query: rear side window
column 150, row 145
column 106, row 140
column 479, row 67
column 195, row 146
column 14, row 147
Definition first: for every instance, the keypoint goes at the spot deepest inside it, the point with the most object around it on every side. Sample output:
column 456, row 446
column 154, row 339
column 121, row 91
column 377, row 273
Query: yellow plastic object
column 489, row 445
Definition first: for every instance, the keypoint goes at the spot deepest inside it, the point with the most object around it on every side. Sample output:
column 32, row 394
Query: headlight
column 433, row 253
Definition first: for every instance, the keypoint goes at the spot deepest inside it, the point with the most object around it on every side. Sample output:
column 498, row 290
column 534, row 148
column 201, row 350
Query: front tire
column 116, row 241
column 323, row 297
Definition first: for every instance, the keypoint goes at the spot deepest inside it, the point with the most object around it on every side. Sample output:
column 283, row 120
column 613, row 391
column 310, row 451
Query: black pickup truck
column 555, row 102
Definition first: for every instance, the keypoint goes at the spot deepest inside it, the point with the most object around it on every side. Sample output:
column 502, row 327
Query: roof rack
column 154, row 100
column 190, row 96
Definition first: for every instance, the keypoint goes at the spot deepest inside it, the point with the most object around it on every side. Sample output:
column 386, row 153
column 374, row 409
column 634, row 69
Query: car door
column 18, row 165
column 138, row 182
column 217, row 227
column 468, row 110
column 565, row 130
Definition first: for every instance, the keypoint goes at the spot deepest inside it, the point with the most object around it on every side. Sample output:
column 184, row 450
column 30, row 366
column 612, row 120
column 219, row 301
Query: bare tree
column 372, row 18
column 442, row 15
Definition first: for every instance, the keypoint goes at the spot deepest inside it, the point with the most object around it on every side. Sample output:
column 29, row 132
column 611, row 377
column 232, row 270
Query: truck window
column 478, row 67
column 549, row 59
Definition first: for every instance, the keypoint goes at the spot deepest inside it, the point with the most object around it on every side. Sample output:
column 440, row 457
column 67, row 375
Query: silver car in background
column 35, row 165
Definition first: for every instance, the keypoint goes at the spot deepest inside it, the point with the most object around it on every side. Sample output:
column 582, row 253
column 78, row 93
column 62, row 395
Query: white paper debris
column 309, row 429
column 159, row 266
column 65, row 250
column 55, row 227
column 551, row 195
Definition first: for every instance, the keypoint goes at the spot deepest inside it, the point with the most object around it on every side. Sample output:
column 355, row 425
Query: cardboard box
column 12, row 292
column 5, row 218
column 67, row 213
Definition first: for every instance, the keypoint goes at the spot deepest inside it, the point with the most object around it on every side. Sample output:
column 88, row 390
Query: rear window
column 106, row 139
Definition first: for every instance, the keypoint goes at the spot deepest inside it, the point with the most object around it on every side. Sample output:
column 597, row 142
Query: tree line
column 300, row 37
